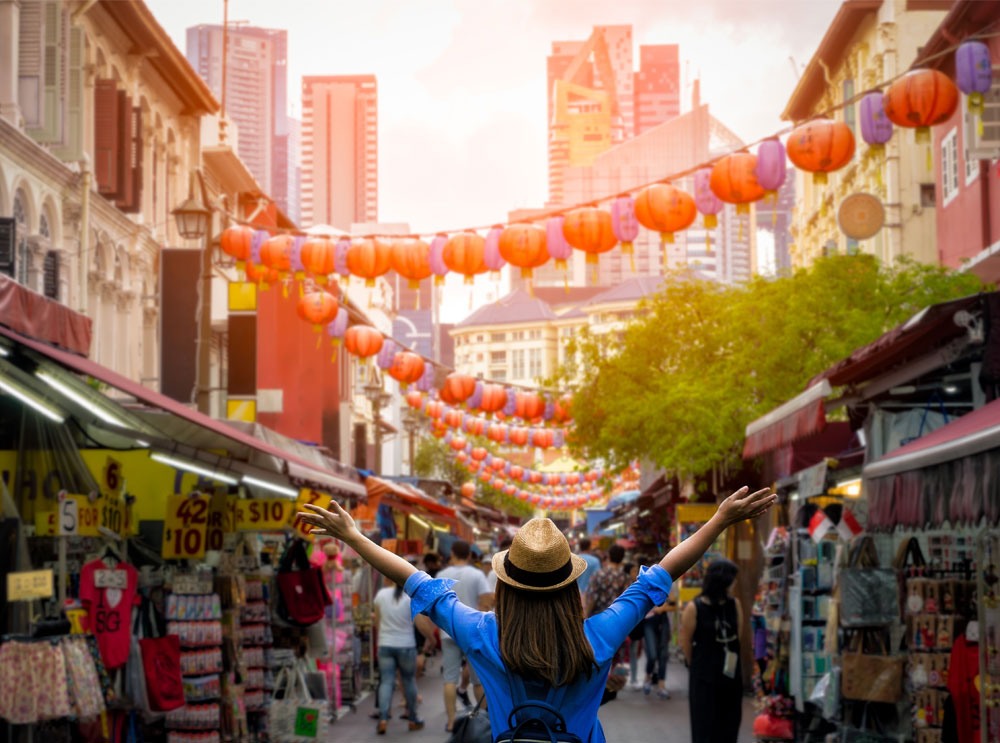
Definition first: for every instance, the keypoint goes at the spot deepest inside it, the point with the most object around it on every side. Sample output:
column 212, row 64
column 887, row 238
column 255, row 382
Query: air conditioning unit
column 985, row 145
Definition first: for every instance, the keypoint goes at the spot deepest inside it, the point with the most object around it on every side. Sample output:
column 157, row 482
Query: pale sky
column 461, row 83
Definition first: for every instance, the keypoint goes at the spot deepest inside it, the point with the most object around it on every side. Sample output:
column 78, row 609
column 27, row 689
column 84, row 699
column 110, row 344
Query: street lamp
column 412, row 424
column 379, row 398
column 192, row 215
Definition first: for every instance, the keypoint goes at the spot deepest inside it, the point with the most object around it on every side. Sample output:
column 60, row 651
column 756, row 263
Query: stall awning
column 408, row 499
column 799, row 417
column 298, row 467
column 971, row 434
column 25, row 311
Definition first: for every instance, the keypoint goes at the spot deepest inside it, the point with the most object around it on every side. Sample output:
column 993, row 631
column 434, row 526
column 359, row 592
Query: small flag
column 848, row 528
column 820, row 525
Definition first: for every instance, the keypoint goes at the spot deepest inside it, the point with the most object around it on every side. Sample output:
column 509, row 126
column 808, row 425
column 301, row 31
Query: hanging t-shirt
column 109, row 611
column 963, row 684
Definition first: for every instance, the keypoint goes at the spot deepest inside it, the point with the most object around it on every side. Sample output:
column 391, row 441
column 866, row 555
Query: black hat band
column 537, row 580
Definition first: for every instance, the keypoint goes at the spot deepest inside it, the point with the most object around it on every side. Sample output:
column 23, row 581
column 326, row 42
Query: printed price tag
column 46, row 522
column 29, row 585
column 263, row 514
column 111, row 579
column 192, row 584
column 184, row 527
column 113, row 479
column 300, row 527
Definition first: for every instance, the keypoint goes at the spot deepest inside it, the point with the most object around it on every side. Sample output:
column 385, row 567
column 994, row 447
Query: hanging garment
column 86, row 696
column 963, row 685
column 109, row 611
column 33, row 682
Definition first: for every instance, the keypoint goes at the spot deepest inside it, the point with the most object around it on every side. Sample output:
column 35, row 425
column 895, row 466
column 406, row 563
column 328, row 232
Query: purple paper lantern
column 340, row 257
column 476, row 398
column 511, row 407
column 491, row 251
column 555, row 242
column 550, row 409
column 876, row 129
column 438, row 267
column 705, row 199
column 974, row 72
column 623, row 222
column 295, row 257
column 259, row 236
column 338, row 325
column 770, row 169
column 387, row 354
column 426, row 381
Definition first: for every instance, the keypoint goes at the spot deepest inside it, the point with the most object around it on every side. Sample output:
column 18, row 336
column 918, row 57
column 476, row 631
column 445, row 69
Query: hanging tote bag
column 135, row 673
column 871, row 676
column 161, row 663
column 303, row 596
column 295, row 716
column 869, row 595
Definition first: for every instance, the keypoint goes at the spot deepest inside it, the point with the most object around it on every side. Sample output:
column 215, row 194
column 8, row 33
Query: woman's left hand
column 336, row 522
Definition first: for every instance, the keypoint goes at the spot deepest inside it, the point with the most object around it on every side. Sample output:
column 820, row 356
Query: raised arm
column 737, row 507
column 337, row 523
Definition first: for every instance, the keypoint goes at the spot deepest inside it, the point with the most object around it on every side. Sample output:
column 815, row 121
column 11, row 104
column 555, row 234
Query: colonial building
column 99, row 131
column 868, row 42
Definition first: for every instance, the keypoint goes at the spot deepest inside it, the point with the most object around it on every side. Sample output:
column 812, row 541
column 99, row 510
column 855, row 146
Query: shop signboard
column 264, row 514
column 221, row 520
column 313, row 497
column 185, row 526
column 79, row 516
column 29, row 585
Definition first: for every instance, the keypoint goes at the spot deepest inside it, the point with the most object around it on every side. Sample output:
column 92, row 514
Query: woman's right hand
column 336, row 522
column 740, row 506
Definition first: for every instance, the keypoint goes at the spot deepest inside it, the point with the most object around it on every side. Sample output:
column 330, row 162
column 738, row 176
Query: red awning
column 801, row 416
column 302, row 467
column 406, row 499
column 971, row 434
column 31, row 314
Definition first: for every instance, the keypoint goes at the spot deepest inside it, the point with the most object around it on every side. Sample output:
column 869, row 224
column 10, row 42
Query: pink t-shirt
column 109, row 611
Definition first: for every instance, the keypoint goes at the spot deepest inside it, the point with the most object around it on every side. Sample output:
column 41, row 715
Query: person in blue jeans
column 397, row 651
column 537, row 639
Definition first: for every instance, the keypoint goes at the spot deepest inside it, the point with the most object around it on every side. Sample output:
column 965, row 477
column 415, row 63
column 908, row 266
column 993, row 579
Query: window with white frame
column 535, row 362
column 517, row 363
column 949, row 167
column 971, row 163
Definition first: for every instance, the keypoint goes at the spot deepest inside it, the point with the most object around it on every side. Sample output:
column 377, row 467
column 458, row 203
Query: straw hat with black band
column 539, row 559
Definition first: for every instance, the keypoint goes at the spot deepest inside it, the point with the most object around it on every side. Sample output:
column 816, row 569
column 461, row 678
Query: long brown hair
column 541, row 634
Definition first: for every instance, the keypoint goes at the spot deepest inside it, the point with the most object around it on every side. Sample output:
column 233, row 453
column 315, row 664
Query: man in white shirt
column 474, row 592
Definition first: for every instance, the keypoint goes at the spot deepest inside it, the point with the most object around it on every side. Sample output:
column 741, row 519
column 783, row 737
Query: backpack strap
column 520, row 700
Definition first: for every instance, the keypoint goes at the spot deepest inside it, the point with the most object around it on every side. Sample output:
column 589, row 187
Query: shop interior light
column 30, row 400
column 4, row 351
column 420, row 521
column 850, row 488
column 79, row 399
column 439, row 527
column 272, row 486
column 183, row 464
column 143, row 444
column 951, row 389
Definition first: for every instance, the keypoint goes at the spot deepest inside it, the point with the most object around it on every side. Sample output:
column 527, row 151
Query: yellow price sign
column 313, row 497
column 113, row 478
column 184, row 528
column 221, row 520
column 112, row 513
column 263, row 514
column 77, row 516
column 30, row 585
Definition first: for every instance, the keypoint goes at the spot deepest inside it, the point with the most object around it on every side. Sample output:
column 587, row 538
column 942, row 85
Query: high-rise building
column 339, row 150
column 294, row 204
column 256, row 96
column 657, row 86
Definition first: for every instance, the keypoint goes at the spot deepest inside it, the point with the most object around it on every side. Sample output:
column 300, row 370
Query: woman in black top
column 710, row 638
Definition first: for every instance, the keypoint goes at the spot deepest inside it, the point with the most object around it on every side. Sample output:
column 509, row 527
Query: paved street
column 632, row 718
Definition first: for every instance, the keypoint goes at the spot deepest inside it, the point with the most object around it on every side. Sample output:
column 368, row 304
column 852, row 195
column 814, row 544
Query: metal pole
column 412, row 453
column 377, row 413
column 205, row 317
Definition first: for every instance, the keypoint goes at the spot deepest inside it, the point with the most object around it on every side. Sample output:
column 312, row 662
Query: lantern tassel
column 284, row 289
column 930, row 159
column 739, row 232
column 566, row 282
column 302, row 291
column 319, row 342
column 631, row 261
column 708, row 243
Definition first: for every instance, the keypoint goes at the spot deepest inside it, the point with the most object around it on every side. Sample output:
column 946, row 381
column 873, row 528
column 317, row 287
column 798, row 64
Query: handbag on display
column 295, row 715
column 869, row 595
column 302, row 593
column 161, row 665
column 871, row 676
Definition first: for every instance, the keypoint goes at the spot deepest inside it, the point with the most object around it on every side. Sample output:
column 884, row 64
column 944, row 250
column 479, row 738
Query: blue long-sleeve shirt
column 475, row 632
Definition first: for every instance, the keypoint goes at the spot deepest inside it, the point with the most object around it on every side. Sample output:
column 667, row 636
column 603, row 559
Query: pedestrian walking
column 608, row 583
column 593, row 565
column 711, row 626
column 537, row 645
column 397, row 651
column 473, row 591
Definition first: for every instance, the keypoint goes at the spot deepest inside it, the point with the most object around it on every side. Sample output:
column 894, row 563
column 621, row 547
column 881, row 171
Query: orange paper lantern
column 262, row 275
column 235, row 242
column 407, row 367
column 464, row 254
column 411, row 260
column 820, row 147
column 468, row 489
column 734, row 180
column 318, row 256
column 920, row 99
column 665, row 209
column 523, row 245
column 369, row 258
column 363, row 340
column 317, row 307
column 459, row 387
column 415, row 399
column 494, row 398
column 589, row 229
column 276, row 253
column 529, row 405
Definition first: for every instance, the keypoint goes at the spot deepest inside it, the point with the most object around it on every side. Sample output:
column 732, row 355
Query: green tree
column 701, row 360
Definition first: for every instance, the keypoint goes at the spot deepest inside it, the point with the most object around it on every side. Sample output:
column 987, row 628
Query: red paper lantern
column 458, row 443
column 435, row 408
column 318, row 256
column 363, row 340
column 263, row 275
column 479, row 453
column 453, row 418
column 235, row 242
column 665, row 209
column 543, row 438
column 498, row 464
column 415, row 399
column 411, row 260
column 563, row 409
column 461, row 457
column 494, row 398
column 497, row 432
column 468, row 489
column 464, row 254
column 484, row 477
column 529, row 405
column 369, row 258
column 518, row 436
column 407, row 367
column 459, row 387
column 517, row 472
column 920, row 99
column 590, row 229
column 734, row 180
column 318, row 307
column 820, row 147
column 276, row 253
column 523, row 245
column 475, row 426
column 535, row 477
column 498, row 483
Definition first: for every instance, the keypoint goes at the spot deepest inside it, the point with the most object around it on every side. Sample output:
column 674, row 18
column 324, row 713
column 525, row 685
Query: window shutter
column 106, row 137
column 124, row 194
column 72, row 149
column 8, row 238
column 50, row 277
column 29, row 62
column 50, row 129
column 132, row 199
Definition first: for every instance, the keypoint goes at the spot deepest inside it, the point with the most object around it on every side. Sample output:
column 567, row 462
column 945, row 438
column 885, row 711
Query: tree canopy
column 701, row 360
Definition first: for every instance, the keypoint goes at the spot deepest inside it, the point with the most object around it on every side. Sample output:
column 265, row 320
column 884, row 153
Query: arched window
column 21, row 257
column 43, row 226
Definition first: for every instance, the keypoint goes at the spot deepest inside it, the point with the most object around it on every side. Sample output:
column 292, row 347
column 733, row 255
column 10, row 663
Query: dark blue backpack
column 533, row 721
